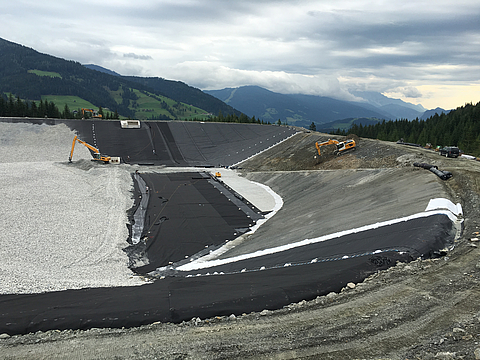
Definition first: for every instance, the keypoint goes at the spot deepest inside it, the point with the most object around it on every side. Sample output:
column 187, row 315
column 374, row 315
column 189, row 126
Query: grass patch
column 45, row 73
column 73, row 102
column 148, row 106
column 117, row 95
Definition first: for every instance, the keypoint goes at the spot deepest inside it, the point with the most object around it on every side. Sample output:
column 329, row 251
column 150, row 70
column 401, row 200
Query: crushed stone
column 63, row 225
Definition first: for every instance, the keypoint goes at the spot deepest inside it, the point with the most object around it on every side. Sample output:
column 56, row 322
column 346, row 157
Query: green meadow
column 73, row 102
column 45, row 73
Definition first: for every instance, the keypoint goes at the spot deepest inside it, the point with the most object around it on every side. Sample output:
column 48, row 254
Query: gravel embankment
column 63, row 225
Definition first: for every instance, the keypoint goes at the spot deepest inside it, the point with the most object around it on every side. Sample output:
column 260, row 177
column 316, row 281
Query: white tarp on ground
column 441, row 203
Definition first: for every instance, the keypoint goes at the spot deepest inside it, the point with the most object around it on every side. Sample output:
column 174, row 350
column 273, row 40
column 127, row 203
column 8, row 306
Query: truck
column 95, row 153
column 450, row 151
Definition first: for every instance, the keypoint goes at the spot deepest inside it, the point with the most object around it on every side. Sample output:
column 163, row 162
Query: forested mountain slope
column 460, row 127
column 31, row 75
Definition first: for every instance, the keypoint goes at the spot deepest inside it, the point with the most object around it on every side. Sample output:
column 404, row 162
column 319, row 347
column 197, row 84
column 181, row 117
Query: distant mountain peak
column 302, row 110
column 432, row 112
column 379, row 100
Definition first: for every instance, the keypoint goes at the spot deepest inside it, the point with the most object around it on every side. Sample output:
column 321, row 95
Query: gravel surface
column 63, row 225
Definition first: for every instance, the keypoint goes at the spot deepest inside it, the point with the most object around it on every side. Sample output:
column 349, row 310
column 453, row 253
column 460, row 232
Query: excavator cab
column 346, row 145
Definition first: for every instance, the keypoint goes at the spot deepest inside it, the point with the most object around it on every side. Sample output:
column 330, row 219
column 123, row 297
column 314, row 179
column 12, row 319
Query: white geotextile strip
column 62, row 225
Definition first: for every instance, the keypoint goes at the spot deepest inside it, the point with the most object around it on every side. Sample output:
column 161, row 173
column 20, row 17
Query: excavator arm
column 75, row 139
column 95, row 152
column 329, row 142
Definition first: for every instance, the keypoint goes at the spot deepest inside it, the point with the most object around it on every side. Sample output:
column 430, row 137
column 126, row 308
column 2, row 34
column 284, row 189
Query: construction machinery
column 341, row 146
column 93, row 112
column 95, row 153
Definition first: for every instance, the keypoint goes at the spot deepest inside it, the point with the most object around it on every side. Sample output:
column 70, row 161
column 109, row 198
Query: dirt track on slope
column 420, row 310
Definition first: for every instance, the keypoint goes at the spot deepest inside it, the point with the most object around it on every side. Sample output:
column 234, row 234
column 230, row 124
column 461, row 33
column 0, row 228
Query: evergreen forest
column 460, row 127
column 16, row 107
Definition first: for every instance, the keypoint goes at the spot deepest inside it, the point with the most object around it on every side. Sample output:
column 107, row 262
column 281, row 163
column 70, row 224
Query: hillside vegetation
column 460, row 127
column 32, row 76
column 11, row 107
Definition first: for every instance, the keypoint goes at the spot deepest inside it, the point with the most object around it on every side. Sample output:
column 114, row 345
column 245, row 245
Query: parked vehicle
column 450, row 151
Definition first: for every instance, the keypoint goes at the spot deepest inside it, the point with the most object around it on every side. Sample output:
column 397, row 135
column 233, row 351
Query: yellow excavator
column 95, row 153
column 94, row 113
column 342, row 146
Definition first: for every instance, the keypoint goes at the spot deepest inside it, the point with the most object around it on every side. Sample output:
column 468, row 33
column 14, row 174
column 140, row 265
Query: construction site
column 189, row 240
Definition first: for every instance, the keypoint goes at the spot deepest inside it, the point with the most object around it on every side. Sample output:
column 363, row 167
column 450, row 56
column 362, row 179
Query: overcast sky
column 422, row 51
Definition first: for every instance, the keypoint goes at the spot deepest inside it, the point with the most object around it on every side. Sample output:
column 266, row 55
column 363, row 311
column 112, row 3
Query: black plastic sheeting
column 401, row 142
column 152, row 144
column 180, row 298
column 185, row 215
column 367, row 243
column 178, row 143
column 444, row 175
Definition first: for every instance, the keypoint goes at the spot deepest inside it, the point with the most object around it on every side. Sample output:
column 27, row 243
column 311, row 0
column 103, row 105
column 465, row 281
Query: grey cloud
column 185, row 13
column 409, row 91
column 390, row 46
column 137, row 57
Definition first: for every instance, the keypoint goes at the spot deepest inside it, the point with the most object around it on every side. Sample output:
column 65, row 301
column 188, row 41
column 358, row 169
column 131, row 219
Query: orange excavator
column 342, row 146
column 94, row 113
column 95, row 153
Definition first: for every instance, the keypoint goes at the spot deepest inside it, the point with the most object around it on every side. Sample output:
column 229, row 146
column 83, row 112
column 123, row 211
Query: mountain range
column 31, row 75
column 327, row 113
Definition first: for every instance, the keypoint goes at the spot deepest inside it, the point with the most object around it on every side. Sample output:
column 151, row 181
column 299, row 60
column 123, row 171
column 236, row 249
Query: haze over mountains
column 31, row 75
column 302, row 110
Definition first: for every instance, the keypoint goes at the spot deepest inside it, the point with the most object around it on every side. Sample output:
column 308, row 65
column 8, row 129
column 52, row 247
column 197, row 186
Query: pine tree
column 66, row 112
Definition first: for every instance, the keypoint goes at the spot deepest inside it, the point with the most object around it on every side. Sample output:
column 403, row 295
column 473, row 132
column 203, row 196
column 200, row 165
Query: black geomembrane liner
column 176, row 298
column 185, row 215
column 178, row 143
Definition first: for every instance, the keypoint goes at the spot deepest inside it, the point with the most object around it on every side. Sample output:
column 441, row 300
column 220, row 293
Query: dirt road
column 421, row 310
